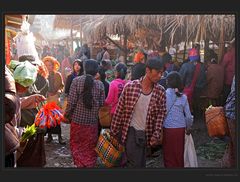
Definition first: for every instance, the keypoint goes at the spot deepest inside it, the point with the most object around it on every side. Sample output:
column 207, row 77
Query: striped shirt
column 178, row 112
column 80, row 114
column 155, row 115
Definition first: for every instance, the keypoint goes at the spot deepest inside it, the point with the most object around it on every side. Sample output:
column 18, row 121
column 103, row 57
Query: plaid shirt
column 75, row 108
column 125, row 107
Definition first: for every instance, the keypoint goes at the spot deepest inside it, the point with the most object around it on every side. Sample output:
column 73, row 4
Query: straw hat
column 56, row 64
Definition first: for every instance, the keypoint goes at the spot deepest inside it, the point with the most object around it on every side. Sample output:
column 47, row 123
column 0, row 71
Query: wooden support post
column 116, row 44
column 221, row 39
column 125, row 48
column 185, row 47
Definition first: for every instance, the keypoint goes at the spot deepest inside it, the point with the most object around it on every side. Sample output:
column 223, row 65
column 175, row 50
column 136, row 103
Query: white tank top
column 140, row 112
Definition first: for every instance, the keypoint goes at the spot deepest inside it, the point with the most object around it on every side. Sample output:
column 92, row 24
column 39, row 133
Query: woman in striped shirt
column 178, row 119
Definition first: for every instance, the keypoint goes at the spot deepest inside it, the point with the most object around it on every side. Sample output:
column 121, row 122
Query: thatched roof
column 175, row 28
column 187, row 25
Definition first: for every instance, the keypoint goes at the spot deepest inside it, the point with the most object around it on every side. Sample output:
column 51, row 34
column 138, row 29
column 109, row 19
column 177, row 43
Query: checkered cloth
column 75, row 107
column 125, row 108
column 109, row 150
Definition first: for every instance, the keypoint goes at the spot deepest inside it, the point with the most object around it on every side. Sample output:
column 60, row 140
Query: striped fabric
column 109, row 150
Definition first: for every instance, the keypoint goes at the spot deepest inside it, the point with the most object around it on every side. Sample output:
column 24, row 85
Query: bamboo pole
column 221, row 39
column 115, row 43
column 81, row 35
column 185, row 47
column 71, row 47
column 125, row 47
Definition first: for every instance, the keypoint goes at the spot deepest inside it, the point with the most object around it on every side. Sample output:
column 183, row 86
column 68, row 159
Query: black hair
column 104, row 62
column 138, row 70
column 80, row 63
column 91, row 69
column 102, row 74
column 166, row 58
column 155, row 63
column 174, row 80
column 29, row 58
column 121, row 68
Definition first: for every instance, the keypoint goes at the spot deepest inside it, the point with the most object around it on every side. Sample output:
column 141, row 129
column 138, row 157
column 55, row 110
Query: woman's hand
column 188, row 131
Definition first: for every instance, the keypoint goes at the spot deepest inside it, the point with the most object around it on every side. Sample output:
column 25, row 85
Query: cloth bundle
column 49, row 116
column 24, row 73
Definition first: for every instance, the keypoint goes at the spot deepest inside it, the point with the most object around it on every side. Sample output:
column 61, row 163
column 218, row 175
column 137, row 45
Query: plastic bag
column 25, row 42
column 190, row 156
column 25, row 73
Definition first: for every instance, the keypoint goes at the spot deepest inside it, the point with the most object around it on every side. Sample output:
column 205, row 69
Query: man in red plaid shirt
column 140, row 113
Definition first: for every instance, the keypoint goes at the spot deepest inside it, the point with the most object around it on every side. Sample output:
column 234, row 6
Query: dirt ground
column 59, row 156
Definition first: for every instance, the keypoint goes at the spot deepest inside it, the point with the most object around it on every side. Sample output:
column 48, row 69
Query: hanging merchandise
column 25, row 42
column 50, row 115
column 8, row 55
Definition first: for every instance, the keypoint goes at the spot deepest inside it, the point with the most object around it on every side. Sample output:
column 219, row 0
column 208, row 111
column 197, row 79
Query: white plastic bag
column 25, row 42
column 190, row 156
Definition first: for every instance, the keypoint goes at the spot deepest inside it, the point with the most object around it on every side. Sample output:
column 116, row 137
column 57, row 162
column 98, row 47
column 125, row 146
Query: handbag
column 109, row 150
column 105, row 116
column 190, row 156
column 216, row 122
column 33, row 154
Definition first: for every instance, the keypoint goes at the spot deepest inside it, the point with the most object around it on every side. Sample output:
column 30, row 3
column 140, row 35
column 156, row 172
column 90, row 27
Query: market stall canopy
column 177, row 27
column 71, row 21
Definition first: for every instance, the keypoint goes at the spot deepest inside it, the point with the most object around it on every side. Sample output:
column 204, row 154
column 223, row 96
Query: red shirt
column 124, row 111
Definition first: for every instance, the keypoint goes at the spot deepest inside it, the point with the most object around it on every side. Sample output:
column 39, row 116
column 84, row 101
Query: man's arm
column 156, row 137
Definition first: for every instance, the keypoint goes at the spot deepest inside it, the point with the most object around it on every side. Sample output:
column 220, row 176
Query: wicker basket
column 216, row 122
column 109, row 150
column 105, row 116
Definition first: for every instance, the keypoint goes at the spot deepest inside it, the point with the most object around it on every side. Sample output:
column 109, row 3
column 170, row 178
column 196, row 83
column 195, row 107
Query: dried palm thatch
column 69, row 21
column 175, row 27
column 170, row 28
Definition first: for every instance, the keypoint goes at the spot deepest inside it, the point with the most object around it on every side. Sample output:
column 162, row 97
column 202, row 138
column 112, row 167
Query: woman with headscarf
column 13, row 105
column 53, row 95
column 85, row 97
column 34, row 152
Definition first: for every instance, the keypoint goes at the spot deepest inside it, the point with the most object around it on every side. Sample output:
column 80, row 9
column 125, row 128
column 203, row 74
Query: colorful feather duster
column 50, row 115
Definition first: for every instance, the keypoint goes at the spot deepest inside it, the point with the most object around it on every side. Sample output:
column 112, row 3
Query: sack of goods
column 216, row 122
column 105, row 116
column 109, row 150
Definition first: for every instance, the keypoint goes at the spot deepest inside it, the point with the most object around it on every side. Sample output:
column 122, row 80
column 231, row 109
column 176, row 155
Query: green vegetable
column 30, row 131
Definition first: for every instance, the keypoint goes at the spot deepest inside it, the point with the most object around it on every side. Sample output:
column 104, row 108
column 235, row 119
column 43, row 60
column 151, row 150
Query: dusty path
column 59, row 155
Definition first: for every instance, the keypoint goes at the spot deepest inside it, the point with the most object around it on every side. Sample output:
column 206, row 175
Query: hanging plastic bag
column 190, row 156
column 25, row 42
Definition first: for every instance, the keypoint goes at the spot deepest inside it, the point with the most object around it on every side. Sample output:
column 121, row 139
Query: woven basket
column 105, row 116
column 109, row 150
column 216, row 122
